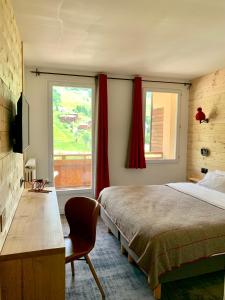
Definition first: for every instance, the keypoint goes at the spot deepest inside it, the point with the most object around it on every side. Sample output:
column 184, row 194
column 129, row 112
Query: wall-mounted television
column 21, row 139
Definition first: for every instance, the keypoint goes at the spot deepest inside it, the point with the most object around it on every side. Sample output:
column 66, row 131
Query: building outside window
column 161, row 124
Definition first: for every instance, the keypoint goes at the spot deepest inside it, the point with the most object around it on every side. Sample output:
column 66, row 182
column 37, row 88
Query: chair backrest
column 82, row 214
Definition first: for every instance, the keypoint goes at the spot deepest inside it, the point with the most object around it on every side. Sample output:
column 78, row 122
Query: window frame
column 80, row 83
column 178, row 124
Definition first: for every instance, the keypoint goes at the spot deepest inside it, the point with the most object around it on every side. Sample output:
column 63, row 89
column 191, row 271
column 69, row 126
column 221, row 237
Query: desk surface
column 36, row 227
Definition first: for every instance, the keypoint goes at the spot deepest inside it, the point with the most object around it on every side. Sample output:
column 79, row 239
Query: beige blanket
column 165, row 227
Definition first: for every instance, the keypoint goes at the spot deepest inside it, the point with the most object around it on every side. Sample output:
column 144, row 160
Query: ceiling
column 180, row 39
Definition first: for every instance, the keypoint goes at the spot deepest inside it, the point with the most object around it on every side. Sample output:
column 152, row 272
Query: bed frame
column 203, row 266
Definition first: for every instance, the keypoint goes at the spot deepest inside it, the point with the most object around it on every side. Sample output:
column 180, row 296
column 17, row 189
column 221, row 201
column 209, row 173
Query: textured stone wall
column 207, row 92
column 11, row 164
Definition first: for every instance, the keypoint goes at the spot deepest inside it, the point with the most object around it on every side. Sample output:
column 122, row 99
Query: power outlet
column 204, row 170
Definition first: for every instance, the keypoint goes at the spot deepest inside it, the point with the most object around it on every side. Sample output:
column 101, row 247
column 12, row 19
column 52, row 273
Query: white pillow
column 214, row 181
column 220, row 172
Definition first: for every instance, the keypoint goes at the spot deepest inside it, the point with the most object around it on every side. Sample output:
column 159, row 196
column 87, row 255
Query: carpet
column 205, row 287
column 120, row 280
column 124, row 281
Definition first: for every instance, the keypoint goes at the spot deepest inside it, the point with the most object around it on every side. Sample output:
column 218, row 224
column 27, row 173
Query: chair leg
column 157, row 292
column 72, row 268
column 95, row 276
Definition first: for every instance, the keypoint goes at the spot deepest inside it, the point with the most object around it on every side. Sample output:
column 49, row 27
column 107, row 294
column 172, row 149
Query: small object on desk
column 38, row 186
column 194, row 179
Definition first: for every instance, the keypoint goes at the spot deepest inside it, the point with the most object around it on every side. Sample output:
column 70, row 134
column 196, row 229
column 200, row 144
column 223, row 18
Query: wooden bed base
column 207, row 265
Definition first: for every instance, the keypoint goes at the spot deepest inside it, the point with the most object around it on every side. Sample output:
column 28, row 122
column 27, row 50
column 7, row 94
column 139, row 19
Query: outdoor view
column 148, row 123
column 72, row 136
column 160, row 125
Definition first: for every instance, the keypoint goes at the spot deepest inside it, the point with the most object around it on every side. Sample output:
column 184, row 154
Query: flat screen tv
column 20, row 128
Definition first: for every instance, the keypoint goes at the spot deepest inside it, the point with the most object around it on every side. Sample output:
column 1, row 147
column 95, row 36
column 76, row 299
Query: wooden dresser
column 32, row 260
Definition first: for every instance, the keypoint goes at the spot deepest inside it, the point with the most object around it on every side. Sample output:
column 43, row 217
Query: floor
column 120, row 280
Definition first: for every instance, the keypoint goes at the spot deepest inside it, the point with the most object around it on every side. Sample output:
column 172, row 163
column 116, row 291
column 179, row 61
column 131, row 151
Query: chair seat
column 76, row 247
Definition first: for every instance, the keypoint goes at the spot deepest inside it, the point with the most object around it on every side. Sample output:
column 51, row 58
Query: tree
column 56, row 99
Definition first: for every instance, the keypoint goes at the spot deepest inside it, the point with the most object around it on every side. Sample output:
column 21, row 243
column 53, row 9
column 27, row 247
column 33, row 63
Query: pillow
column 220, row 172
column 213, row 181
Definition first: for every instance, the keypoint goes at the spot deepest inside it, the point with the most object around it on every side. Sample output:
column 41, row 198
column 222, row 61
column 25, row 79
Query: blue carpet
column 204, row 287
column 123, row 281
column 120, row 280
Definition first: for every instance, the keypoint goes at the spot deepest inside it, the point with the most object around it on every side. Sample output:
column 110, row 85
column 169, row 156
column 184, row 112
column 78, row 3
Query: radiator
column 30, row 170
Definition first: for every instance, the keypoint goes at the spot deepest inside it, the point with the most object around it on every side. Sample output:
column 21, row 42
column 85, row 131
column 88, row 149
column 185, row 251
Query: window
column 72, row 136
column 160, row 125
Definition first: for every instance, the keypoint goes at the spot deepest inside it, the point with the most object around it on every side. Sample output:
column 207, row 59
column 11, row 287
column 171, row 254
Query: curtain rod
column 38, row 73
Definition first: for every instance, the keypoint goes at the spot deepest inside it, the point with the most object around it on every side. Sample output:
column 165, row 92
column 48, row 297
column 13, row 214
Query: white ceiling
column 164, row 38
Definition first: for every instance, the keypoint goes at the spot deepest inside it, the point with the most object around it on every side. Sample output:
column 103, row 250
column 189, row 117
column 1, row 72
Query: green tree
column 87, row 138
column 56, row 99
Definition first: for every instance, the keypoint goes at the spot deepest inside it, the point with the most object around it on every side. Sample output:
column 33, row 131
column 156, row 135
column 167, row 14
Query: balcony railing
column 73, row 170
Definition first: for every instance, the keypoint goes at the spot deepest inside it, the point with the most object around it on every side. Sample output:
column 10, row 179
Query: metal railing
column 72, row 155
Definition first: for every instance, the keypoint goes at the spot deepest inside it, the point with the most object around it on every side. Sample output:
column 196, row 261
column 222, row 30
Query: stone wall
column 207, row 92
column 11, row 164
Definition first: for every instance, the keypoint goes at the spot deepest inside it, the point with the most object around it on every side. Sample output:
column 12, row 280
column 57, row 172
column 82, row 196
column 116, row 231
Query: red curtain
column 136, row 156
column 102, row 175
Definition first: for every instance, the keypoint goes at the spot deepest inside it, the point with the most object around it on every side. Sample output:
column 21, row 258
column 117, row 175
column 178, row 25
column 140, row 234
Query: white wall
column 120, row 100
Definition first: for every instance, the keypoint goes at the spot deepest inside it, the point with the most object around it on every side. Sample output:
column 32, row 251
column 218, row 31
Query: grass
column 64, row 139
column 67, row 136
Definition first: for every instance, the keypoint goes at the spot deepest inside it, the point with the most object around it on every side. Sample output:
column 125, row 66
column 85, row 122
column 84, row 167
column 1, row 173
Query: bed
column 172, row 231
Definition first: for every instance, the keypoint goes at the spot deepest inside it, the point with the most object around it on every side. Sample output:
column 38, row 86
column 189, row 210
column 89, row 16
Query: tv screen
column 21, row 126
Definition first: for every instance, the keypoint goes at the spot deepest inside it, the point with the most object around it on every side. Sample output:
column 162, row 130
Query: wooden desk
column 32, row 260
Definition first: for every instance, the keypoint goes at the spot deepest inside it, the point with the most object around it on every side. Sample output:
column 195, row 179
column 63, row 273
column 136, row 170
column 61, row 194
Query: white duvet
column 200, row 192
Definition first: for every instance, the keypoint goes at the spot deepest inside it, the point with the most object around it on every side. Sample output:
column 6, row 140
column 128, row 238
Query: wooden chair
column 82, row 214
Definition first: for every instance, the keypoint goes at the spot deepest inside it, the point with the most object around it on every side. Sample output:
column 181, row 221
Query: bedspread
column 166, row 227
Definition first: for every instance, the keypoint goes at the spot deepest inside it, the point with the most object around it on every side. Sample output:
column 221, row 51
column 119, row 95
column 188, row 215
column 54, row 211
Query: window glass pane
column 148, row 116
column 72, row 136
column 160, row 142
